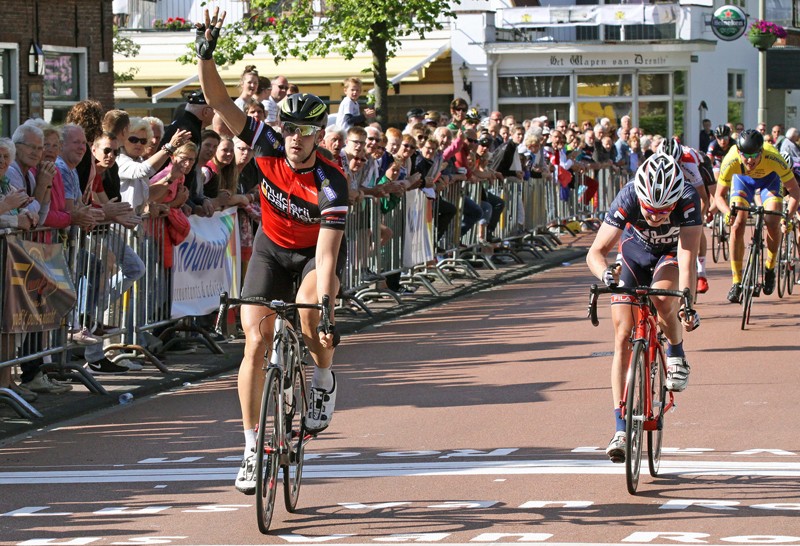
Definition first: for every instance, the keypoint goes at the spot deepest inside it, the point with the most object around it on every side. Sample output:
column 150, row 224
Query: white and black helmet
column 659, row 181
column 672, row 147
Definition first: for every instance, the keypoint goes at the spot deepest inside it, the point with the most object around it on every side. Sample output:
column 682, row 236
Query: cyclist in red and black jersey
column 719, row 147
column 304, row 203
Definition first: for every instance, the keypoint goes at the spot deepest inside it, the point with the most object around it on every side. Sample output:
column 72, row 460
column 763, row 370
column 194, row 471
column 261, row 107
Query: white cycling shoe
column 320, row 408
column 677, row 373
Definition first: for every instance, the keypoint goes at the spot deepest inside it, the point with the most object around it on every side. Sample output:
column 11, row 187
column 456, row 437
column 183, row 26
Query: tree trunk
column 378, row 47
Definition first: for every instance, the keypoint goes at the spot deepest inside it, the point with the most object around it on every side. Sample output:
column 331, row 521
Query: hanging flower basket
column 763, row 34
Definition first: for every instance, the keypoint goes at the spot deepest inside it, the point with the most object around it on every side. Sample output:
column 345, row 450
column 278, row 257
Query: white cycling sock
column 701, row 267
column 323, row 378
column 249, row 441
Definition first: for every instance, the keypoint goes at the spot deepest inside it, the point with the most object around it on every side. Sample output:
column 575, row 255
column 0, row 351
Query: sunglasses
column 372, row 138
column 472, row 140
column 109, row 151
column 750, row 156
column 283, row 87
column 409, row 146
column 656, row 212
column 462, row 109
column 302, row 130
column 137, row 140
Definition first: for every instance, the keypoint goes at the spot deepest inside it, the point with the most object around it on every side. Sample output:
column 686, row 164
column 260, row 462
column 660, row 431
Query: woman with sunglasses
column 657, row 219
column 304, row 205
column 752, row 167
column 135, row 172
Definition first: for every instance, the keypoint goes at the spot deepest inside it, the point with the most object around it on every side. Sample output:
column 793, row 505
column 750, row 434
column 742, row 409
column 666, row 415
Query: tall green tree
column 305, row 28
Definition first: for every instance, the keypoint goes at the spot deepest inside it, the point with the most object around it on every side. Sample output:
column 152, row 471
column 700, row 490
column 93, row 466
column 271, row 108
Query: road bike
column 753, row 272
column 786, row 268
column 720, row 235
column 281, row 436
column 646, row 400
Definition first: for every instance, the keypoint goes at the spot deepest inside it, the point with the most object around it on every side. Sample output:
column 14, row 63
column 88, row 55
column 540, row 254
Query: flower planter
column 762, row 42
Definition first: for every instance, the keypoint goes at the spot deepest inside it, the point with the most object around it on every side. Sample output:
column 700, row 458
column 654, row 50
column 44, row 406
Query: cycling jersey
column 771, row 162
column 626, row 214
column 690, row 165
column 295, row 204
column 645, row 249
column 716, row 153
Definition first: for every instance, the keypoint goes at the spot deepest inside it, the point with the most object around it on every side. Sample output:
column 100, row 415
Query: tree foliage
column 125, row 47
column 316, row 28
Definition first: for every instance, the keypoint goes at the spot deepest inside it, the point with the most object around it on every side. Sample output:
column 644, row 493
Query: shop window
column 533, row 86
column 602, row 85
column 594, row 111
column 654, row 117
column 522, row 112
column 735, row 97
column 654, row 84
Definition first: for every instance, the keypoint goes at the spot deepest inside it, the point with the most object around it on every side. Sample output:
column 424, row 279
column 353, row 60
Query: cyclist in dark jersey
column 304, row 202
column 655, row 219
column 719, row 147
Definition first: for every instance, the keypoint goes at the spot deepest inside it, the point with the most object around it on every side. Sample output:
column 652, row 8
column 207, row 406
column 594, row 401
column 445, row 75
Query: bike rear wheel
column 782, row 266
column 658, row 390
column 725, row 237
column 634, row 415
column 791, row 265
column 716, row 239
column 268, row 446
column 294, row 415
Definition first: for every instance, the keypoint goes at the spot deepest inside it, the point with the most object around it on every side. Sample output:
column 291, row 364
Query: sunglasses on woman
column 137, row 140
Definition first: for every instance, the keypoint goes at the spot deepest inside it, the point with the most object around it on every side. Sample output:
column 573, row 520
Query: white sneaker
column 41, row 384
column 677, row 373
column 616, row 448
column 320, row 408
column 246, row 478
column 132, row 365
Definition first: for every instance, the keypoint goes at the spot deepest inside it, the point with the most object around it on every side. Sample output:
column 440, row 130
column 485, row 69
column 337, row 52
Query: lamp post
column 762, row 70
column 464, row 71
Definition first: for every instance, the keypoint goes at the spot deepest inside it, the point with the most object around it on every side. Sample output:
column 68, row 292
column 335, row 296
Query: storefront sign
column 728, row 23
column 582, row 60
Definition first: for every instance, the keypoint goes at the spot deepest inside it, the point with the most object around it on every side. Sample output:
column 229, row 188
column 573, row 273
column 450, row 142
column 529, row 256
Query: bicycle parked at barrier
column 646, row 400
column 753, row 272
column 281, row 436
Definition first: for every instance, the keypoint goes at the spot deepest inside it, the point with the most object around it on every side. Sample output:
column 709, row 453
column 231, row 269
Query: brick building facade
column 76, row 38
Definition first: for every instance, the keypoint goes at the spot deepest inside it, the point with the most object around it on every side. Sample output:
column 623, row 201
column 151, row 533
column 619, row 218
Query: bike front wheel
column 634, row 415
column 294, row 416
column 268, row 448
column 658, row 395
column 791, row 260
column 749, row 282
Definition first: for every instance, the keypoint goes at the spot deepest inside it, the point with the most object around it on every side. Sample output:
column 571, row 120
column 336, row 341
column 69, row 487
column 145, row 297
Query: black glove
column 332, row 330
column 205, row 47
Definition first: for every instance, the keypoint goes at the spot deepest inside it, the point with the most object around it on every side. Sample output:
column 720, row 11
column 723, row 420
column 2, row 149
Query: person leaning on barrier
column 73, row 149
column 23, row 173
column 88, row 114
column 135, row 172
column 104, row 150
column 200, row 203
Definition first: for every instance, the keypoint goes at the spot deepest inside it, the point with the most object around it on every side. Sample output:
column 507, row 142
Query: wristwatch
column 169, row 148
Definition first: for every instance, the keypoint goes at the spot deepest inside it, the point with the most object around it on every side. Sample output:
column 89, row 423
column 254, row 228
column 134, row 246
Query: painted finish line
column 406, row 469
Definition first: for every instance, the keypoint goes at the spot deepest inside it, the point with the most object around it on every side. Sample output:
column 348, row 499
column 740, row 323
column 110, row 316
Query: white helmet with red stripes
column 659, row 181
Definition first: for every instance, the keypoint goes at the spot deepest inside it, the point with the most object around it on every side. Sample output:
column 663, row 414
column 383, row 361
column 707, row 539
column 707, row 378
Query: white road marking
column 407, row 469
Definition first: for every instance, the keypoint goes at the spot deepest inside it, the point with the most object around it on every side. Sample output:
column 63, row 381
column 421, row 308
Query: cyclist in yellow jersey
column 750, row 167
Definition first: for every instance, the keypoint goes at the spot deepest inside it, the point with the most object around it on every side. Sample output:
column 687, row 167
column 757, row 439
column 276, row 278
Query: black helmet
column 304, row 109
column 722, row 131
column 750, row 141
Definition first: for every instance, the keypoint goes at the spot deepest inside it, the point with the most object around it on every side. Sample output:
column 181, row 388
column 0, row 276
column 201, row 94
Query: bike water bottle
column 125, row 398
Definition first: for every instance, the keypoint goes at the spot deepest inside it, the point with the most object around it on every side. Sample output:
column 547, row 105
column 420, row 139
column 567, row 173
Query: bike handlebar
column 279, row 306
column 638, row 292
column 757, row 210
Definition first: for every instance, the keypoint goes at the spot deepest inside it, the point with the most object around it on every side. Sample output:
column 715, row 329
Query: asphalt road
column 483, row 420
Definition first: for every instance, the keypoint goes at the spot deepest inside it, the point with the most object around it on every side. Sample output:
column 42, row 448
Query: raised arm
column 213, row 87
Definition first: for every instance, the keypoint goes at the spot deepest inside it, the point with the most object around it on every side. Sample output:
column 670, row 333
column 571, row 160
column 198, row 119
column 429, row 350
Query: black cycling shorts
column 273, row 270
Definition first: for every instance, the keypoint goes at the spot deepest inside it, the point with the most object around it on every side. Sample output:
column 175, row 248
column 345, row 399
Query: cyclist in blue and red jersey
column 304, row 203
column 656, row 223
